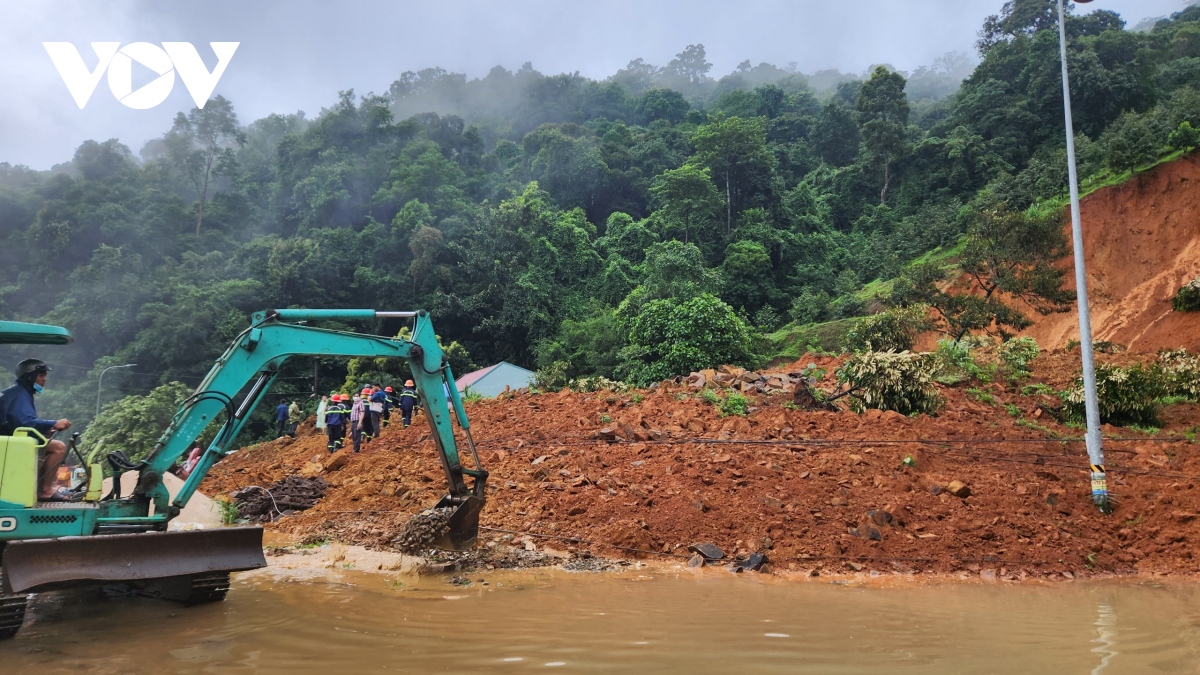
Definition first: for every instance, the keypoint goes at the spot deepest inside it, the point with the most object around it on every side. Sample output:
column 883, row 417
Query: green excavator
column 107, row 539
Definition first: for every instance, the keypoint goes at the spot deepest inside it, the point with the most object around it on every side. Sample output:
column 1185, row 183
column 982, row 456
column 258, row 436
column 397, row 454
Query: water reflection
column 604, row 623
column 1106, row 633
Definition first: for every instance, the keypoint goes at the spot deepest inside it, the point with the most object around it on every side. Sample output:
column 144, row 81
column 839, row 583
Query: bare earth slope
column 1142, row 242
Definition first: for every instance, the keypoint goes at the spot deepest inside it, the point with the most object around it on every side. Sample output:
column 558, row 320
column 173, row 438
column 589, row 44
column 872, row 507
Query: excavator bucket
column 36, row 565
column 463, row 524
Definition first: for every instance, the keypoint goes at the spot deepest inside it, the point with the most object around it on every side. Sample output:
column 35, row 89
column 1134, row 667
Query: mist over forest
column 642, row 226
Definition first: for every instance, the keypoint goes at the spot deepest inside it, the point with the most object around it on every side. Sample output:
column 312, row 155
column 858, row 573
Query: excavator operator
column 17, row 410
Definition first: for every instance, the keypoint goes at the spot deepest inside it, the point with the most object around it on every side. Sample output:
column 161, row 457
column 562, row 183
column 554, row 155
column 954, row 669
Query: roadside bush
column 1131, row 141
column 1185, row 137
column 552, row 377
column 1127, row 396
column 1180, row 373
column 1188, row 297
column 809, row 307
column 734, row 404
column 1016, row 353
column 894, row 329
column 899, row 381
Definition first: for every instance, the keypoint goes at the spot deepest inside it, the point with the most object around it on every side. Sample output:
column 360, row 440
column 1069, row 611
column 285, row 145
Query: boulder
column 709, row 550
column 958, row 489
column 336, row 462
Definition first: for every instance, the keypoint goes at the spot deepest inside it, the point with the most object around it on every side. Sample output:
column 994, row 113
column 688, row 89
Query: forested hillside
column 638, row 227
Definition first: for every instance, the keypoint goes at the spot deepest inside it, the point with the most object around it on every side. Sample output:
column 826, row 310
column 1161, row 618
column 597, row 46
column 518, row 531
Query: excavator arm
column 256, row 357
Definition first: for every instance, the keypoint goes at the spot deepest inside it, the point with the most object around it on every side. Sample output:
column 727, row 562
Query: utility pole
column 101, row 383
column 1095, row 448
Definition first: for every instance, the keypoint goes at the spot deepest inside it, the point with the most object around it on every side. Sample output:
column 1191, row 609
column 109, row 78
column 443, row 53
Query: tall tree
column 690, row 65
column 200, row 145
column 735, row 150
column 687, row 195
column 883, row 110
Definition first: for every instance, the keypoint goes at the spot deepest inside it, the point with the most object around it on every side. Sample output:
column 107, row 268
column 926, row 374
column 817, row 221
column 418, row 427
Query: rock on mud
column 709, row 550
column 958, row 489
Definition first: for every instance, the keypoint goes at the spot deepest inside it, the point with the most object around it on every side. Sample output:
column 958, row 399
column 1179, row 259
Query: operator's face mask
column 37, row 387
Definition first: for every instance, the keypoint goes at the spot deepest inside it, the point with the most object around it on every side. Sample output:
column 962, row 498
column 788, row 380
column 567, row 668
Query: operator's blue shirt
column 281, row 412
column 17, row 410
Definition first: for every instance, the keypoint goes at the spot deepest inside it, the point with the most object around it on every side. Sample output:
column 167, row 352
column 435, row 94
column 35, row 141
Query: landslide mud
column 1141, row 244
column 648, row 473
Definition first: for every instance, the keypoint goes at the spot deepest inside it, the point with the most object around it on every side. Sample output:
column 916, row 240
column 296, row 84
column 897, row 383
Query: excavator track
column 207, row 588
column 12, row 614
column 12, row 610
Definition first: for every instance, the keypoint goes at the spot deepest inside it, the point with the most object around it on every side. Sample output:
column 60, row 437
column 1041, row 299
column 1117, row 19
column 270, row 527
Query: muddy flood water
column 636, row 621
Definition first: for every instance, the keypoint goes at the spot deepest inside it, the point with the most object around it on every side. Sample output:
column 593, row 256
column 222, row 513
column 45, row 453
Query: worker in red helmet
column 336, row 416
column 408, row 400
column 370, row 429
column 388, row 403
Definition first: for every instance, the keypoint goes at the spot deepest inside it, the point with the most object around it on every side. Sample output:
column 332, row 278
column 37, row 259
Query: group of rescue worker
column 364, row 415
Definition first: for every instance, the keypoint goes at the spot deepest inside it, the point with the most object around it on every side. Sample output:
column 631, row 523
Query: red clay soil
column 1141, row 244
column 659, row 470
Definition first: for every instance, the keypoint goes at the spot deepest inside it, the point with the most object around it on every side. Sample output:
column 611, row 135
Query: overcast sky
column 296, row 55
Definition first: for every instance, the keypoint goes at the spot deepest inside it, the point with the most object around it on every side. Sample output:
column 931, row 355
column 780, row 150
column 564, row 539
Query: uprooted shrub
column 587, row 385
column 900, row 381
column 1179, row 374
column 1126, row 396
column 1015, row 355
column 894, row 329
column 1188, row 297
column 962, row 360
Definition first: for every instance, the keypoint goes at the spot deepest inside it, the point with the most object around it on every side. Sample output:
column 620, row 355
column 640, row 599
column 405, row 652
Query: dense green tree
column 883, row 115
column 1009, row 256
column 134, row 424
column 669, row 338
column 687, row 196
column 735, row 152
column 835, row 135
column 747, row 275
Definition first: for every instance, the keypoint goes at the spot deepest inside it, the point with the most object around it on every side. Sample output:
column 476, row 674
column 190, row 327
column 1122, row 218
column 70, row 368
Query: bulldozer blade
column 463, row 530
column 35, row 565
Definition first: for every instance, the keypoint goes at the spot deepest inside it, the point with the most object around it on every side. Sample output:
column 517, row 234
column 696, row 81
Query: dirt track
column 662, row 473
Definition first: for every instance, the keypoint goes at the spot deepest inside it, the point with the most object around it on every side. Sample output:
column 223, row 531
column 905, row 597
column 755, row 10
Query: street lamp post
column 1092, row 438
column 101, row 383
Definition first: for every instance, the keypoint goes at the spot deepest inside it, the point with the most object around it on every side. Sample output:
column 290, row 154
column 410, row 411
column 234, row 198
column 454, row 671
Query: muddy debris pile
column 423, row 530
column 284, row 498
column 991, row 486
